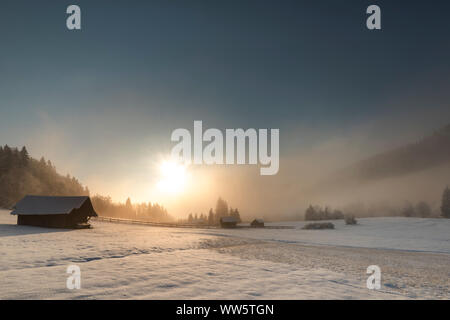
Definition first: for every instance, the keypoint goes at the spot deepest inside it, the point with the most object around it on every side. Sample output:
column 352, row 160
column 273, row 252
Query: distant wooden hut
column 54, row 212
column 257, row 223
column 228, row 222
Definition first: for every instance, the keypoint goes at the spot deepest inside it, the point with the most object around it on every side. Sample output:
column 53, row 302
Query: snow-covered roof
column 43, row 205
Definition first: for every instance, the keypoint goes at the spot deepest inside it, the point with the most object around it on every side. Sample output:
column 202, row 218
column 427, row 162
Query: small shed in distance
column 54, row 212
column 257, row 223
column 228, row 222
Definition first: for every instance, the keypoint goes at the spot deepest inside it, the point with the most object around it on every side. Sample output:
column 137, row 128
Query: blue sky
column 102, row 102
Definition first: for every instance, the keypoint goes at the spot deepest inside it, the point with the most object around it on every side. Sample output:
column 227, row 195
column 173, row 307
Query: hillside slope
column 430, row 152
column 20, row 174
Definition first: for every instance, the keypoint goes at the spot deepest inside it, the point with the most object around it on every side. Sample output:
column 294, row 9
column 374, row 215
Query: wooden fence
column 177, row 225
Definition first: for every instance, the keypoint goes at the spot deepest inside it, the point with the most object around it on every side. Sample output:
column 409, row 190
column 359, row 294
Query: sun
column 173, row 177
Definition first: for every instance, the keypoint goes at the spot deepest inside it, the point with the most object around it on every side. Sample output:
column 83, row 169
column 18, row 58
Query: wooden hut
column 257, row 223
column 54, row 212
column 228, row 222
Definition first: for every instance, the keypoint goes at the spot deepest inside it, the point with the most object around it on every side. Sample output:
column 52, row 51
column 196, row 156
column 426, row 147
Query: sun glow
column 173, row 177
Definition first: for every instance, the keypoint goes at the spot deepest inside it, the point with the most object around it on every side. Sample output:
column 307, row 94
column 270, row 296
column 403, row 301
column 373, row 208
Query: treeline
column 20, row 175
column 213, row 216
column 420, row 210
column 315, row 213
column 141, row 211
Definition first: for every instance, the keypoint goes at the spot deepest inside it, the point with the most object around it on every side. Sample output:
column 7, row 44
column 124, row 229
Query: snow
column 415, row 234
column 122, row 261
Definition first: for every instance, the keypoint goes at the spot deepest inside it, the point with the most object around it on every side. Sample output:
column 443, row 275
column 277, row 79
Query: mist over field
column 98, row 98
column 107, row 119
column 361, row 171
column 361, row 175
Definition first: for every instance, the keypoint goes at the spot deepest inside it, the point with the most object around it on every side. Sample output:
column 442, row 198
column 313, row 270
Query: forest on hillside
column 21, row 174
column 431, row 151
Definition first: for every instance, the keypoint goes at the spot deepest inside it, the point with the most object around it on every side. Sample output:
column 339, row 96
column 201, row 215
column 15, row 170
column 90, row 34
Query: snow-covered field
column 415, row 234
column 141, row 262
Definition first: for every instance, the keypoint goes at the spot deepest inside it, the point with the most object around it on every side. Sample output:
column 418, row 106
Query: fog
column 310, row 156
column 311, row 175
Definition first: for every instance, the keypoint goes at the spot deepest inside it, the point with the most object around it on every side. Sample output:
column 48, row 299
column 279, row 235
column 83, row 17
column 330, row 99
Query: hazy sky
column 101, row 102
